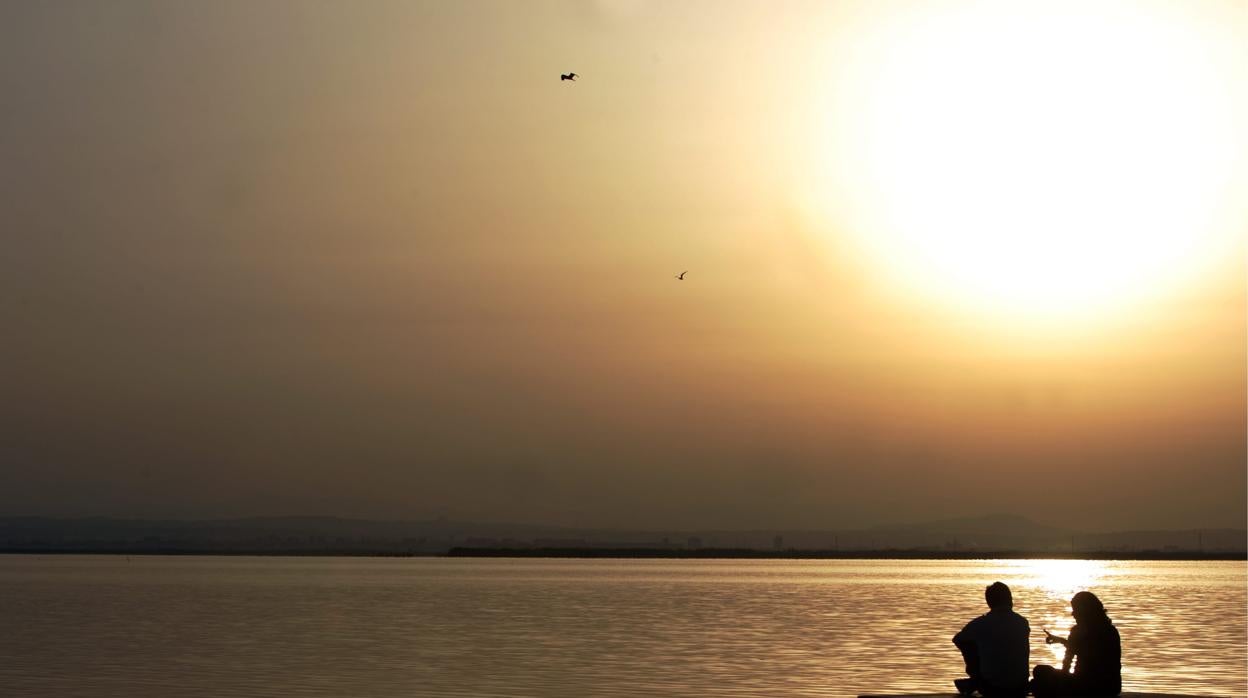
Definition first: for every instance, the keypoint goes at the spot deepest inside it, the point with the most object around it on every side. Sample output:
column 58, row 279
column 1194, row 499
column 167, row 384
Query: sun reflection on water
column 1062, row 578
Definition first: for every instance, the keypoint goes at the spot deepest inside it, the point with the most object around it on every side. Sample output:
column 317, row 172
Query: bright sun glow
column 1041, row 160
column 1062, row 578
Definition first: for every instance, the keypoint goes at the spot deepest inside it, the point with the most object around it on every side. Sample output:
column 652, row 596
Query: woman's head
column 1085, row 606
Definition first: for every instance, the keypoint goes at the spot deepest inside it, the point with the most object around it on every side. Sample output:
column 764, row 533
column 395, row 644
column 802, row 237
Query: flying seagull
column 681, row 276
column 568, row 76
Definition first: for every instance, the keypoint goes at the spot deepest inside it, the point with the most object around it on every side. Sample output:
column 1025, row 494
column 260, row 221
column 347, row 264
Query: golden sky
column 375, row 259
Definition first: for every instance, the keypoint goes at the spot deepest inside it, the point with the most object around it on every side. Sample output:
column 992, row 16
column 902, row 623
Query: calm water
column 177, row 626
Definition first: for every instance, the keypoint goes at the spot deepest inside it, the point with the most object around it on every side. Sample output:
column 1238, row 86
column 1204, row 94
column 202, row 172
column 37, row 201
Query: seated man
column 996, row 648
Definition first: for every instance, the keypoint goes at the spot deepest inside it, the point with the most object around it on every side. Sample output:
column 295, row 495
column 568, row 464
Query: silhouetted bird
column 681, row 276
column 569, row 76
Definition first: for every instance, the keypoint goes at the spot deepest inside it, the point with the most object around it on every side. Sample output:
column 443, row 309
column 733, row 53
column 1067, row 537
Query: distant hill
column 1011, row 532
column 994, row 531
column 1001, row 524
column 329, row 535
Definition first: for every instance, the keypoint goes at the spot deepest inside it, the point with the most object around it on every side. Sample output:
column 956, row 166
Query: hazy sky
column 375, row 259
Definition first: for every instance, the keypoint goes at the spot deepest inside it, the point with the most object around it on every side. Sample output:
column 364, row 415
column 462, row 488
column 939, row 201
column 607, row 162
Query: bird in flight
column 568, row 76
column 681, row 275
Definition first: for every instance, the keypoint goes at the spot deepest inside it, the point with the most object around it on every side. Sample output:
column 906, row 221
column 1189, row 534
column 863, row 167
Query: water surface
column 237, row 626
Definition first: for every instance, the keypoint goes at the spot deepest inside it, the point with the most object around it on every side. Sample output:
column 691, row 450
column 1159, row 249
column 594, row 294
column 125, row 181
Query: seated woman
column 1095, row 642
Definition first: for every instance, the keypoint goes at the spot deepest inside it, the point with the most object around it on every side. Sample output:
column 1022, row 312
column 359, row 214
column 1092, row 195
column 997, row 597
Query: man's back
column 1002, row 638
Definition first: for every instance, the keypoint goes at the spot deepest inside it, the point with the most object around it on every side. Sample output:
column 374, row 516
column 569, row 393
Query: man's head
column 999, row 597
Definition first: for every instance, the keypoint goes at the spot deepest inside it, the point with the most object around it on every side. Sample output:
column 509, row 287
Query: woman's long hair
column 1088, row 608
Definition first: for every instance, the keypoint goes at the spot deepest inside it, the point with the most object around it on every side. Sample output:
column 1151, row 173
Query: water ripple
column 290, row 627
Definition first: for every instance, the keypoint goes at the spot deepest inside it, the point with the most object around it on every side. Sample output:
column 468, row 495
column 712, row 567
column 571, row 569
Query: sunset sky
column 376, row 260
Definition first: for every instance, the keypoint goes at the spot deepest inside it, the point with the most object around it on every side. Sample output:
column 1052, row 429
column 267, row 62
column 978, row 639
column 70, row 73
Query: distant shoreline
column 887, row 554
column 662, row 553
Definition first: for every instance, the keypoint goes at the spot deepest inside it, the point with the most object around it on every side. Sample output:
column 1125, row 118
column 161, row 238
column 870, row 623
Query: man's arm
column 963, row 638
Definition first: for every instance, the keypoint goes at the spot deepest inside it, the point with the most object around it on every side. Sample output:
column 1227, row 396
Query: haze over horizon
column 378, row 261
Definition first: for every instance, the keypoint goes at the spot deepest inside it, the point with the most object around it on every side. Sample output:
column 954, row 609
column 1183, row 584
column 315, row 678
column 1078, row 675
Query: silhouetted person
column 996, row 648
column 1095, row 642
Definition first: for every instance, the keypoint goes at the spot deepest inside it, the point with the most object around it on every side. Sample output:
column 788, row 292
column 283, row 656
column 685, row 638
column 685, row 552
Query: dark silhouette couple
column 996, row 648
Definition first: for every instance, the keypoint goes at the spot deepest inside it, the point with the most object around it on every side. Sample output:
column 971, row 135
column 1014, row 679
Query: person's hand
column 1050, row 638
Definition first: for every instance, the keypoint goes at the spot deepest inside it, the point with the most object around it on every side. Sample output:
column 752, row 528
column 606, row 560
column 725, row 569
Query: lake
column 412, row 627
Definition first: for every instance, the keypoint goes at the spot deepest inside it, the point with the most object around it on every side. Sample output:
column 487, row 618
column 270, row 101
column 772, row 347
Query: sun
column 1042, row 159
